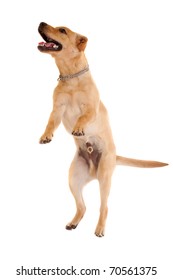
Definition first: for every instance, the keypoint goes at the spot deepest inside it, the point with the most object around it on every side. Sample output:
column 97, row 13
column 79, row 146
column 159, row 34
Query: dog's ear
column 81, row 42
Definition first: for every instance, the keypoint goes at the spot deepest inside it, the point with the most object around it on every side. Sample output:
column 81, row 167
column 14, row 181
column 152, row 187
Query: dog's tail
column 138, row 162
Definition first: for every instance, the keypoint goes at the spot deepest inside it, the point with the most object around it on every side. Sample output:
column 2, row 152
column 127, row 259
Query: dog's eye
column 62, row 30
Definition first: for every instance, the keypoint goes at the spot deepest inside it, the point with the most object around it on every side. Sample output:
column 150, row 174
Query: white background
column 130, row 53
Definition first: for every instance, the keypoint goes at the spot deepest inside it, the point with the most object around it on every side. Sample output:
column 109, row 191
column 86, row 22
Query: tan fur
column 138, row 162
column 77, row 104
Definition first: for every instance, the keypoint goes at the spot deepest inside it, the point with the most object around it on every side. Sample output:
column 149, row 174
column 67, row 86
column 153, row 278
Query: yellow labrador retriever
column 77, row 104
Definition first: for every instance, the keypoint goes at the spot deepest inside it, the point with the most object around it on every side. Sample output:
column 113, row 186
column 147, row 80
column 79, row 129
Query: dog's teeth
column 55, row 46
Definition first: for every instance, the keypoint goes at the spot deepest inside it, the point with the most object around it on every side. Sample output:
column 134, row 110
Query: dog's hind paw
column 70, row 226
column 99, row 232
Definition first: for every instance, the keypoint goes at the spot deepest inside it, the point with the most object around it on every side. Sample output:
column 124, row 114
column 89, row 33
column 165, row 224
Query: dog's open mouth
column 49, row 44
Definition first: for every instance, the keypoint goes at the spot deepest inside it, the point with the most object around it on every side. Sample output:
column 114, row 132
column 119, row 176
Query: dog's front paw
column 78, row 132
column 45, row 138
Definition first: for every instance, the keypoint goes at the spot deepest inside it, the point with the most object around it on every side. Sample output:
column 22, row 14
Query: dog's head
column 59, row 39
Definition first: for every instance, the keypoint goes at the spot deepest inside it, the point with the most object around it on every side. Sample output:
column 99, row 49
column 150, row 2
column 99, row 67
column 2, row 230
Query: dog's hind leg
column 78, row 177
column 104, row 175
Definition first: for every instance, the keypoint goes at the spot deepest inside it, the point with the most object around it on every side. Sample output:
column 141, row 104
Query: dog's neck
column 70, row 68
column 75, row 75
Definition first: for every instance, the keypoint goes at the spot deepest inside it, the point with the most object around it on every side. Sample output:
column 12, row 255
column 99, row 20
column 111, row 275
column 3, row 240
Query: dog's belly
column 90, row 154
column 90, row 148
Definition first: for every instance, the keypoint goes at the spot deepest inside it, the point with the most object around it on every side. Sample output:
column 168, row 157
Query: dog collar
column 68, row 77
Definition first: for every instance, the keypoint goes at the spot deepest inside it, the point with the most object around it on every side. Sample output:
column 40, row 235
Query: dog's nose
column 42, row 24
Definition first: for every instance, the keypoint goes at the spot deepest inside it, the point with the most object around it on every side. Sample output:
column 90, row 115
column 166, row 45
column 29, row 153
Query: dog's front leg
column 88, row 116
column 53, row 123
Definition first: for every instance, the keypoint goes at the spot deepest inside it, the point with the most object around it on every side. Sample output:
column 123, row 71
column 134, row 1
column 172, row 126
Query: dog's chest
column 73, row 110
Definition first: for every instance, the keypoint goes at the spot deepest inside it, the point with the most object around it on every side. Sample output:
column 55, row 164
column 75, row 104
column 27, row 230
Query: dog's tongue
column 47, row 45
